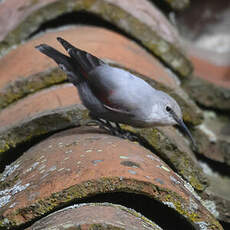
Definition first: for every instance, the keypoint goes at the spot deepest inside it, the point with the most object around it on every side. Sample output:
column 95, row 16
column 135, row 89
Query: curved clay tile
column 35, row 71
column 140, row 19
column 53, row 109
column 81, row 162
column 99, row 41
column 102, row 215
column 45, row 100
column 77, row 163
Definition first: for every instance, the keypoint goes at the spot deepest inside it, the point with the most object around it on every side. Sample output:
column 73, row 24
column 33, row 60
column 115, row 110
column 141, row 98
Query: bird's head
column 171, row 113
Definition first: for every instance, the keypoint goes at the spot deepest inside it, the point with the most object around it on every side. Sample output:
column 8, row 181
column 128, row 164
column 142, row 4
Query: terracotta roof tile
column 84, row 162
column 47, row 99
column 100, row 42
column 141, row 20
column 102, row 215
column 81, row 162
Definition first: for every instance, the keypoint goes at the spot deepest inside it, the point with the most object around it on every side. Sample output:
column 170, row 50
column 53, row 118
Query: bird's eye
column 168, row 109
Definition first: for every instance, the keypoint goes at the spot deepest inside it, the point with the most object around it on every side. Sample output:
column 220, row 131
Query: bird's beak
column 182, row 125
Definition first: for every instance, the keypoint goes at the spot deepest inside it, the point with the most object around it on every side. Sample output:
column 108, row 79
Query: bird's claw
column 116, row 130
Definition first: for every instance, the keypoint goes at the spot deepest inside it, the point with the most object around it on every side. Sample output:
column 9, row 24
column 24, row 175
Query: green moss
column 177, row 158
column 193, row 216
column 112, row 13
column 188, row 169
column 105, row 185
column 24, row 86
column 41, row 124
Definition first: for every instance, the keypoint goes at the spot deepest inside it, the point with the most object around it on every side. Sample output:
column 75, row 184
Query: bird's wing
column 87, row 64
column 116, row 89
column 106, row 93
column 119, row 90
column 85, row 61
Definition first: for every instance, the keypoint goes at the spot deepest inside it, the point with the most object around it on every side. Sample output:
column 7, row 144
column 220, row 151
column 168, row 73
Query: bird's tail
column 63, row 61
column 85, row 61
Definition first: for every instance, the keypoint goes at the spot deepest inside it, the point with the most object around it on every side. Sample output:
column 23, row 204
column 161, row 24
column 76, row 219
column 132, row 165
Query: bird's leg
column 111, row 128
column 116, row 131
column 104, row 125
column 98, row 121
column 125, row 134
column 121, row 131
column 119, row 127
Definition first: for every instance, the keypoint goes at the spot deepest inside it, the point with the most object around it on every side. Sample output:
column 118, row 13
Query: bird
column 113, row 94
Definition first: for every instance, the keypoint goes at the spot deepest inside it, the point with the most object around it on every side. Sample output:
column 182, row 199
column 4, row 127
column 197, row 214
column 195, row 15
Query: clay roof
column 59, row 170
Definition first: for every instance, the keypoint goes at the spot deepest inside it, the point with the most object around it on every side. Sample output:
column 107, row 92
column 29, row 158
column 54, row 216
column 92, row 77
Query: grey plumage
column 114, row 94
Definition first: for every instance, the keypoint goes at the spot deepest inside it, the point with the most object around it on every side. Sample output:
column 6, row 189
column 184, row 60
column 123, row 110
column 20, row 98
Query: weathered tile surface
column 139, row 19
column 34, row 70
column 44, row 100
column 95, row 215
column 91, row 162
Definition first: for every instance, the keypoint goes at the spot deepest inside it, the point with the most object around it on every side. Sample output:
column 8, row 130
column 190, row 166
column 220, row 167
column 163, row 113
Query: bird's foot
column 126, row 134
column 116, row 130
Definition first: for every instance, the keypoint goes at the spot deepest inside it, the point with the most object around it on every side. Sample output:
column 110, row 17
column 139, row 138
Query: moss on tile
column 104, row 185
column 208, row 94
column 167, row 52
column 168, row 150
column 20, row 88
column 40, row 124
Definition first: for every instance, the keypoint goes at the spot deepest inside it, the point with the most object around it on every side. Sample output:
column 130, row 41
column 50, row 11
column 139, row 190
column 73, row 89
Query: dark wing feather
column 58, row 57
column 86, row 61
column 63, row 61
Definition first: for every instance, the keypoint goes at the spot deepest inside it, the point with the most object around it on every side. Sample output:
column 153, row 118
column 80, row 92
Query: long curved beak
column 184, row 128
